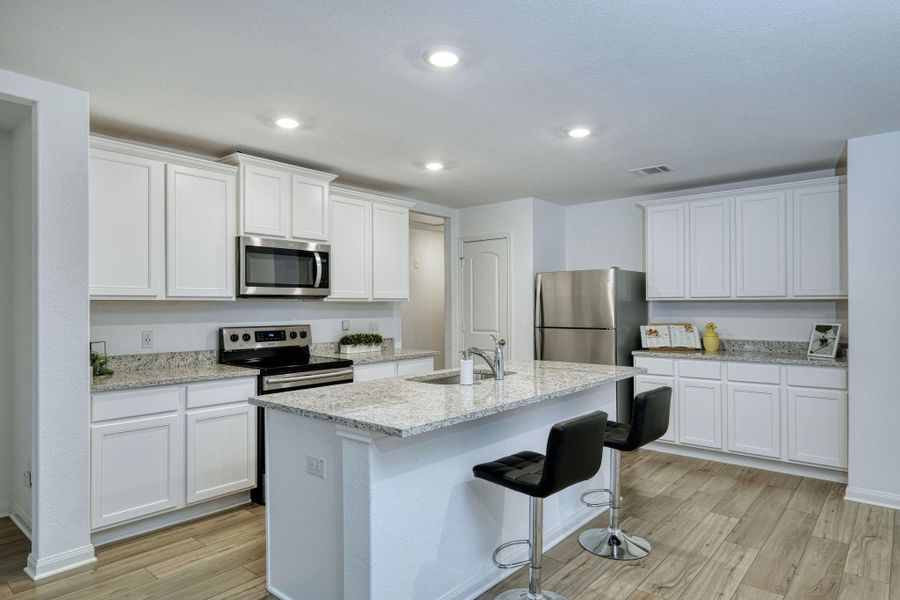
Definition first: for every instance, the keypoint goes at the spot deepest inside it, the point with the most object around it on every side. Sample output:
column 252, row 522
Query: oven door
column 271, row 384
column 269, row 267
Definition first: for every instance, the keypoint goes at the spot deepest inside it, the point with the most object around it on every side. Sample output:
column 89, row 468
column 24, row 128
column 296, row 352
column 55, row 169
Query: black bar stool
column 574, row 454
column 649, row 421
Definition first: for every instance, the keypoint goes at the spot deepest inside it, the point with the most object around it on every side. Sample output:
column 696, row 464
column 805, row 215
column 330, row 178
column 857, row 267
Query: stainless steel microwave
column 268, row 267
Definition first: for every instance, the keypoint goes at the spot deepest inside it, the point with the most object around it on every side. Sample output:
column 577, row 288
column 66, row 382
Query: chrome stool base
column 522, row 594
column 614, row 544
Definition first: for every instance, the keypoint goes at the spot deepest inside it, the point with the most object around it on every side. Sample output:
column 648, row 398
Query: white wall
column 549, row 236
column 610, row 234
column 873, row 215
column 423, row 316
column 6, row 320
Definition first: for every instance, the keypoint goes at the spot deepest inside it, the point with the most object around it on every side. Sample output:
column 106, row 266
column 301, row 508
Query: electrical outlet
column 315, row 466
column 373, row 326
column 146, row 339
column 345, row 326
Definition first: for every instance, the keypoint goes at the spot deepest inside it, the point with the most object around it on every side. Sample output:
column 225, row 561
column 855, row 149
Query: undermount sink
column 454, row 379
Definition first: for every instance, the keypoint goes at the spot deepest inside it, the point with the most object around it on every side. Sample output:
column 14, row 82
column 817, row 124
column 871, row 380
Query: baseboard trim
column 866, row 496
column 168, row 519
column 42, row 568
column 752, row 462
column 276, row 593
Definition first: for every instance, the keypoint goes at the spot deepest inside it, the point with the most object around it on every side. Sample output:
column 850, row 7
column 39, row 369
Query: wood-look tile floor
column 718, row 531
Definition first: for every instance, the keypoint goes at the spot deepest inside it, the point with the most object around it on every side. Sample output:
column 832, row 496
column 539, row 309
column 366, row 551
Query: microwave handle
column 318, row 269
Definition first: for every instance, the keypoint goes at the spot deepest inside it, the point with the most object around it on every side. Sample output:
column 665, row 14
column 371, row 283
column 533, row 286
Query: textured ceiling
column 721, row 90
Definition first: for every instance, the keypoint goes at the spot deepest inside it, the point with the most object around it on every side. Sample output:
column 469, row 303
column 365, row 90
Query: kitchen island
column 370, row 486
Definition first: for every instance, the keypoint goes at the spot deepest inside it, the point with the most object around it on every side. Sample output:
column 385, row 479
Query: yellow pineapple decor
column 711, row 339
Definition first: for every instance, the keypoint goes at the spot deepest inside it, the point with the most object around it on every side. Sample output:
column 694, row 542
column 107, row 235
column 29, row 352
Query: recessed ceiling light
column 287, row 123
column 579, row 132
column 442, row 58
column 434, row 165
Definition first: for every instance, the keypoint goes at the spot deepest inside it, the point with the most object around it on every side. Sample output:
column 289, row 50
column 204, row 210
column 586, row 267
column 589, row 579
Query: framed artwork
column 823, row 342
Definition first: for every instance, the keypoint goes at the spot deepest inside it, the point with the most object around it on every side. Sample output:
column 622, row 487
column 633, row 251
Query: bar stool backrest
column 649, row 417
column 574, row 452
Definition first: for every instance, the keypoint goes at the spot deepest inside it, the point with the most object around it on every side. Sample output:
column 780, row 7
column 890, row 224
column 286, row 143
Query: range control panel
column 270, row 336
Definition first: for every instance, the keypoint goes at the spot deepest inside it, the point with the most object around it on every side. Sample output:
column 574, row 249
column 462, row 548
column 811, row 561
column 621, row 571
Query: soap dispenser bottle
column 466, row 369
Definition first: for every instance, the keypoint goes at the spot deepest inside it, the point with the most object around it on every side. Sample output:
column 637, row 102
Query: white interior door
column 485, row 292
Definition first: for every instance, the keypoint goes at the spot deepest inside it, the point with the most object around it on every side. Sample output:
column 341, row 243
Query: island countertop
column 407, row 406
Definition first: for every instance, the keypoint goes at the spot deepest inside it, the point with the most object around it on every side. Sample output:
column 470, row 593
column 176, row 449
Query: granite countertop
column 386, row 355
column 778, row 358
column 404, row 407
column 133, row 371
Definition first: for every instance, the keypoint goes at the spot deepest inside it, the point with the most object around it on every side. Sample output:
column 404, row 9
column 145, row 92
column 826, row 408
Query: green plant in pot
column 360, row 342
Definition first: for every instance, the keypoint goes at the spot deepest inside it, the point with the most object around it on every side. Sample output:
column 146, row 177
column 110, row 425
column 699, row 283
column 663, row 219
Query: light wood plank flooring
column 718, row 531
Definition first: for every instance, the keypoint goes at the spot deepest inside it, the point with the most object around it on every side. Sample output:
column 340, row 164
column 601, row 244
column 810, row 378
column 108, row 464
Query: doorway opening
column 17, row 344
column 426, row 317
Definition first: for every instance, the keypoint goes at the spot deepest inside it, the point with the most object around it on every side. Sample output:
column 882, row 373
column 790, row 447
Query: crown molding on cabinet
column 239, row 158
column 152, row 153
column 371, row 197
column 749, row 189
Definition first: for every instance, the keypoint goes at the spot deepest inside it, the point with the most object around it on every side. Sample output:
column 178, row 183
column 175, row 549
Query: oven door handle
column 308, row 378
column 318, row 258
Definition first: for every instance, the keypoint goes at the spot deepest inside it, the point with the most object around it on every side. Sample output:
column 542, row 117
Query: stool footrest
column 595, row 504
column 503, row 547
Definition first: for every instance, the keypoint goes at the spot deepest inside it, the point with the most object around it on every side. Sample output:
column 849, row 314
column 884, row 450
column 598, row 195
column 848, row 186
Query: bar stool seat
column 574, row 454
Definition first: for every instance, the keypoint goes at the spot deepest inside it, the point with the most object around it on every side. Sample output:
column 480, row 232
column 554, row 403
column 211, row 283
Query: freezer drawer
column 597, row 346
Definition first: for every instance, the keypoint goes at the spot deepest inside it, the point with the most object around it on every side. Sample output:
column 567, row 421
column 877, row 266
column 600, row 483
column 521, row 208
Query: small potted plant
column 360, row 342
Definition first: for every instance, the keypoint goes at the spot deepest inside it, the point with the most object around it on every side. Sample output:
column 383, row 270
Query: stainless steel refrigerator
column 591, row 316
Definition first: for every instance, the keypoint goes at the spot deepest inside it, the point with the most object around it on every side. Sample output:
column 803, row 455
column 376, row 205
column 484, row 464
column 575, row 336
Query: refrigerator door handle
column 538, row 302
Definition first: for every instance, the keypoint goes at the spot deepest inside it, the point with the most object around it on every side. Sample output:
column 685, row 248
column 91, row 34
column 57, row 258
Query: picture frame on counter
column 824, row 341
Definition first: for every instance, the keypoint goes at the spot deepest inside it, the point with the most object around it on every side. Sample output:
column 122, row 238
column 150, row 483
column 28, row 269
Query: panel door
column 760, row 244
column 485, row 293
column 710, row 248
column 390, row 252
column 309, row 209
column 819, row 243
column 221, row 451
column 351, row 248
column 643, row 383
column 200, row 233
column 700, row 413
column 817, row 426
column 665, row 246
column 754, row 419
column 127, row 207
column 136, row 469
column 265, row 201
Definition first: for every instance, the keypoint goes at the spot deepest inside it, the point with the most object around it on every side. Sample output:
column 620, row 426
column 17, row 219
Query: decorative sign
column 670, row 336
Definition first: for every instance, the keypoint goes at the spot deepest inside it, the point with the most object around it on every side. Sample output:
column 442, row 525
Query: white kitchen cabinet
column 127, row 207
column 665, row 250
column 700, row 413
column 221, row 451
column 351, row 248
column 390, row 252
column 710, row 248
column 309, row 208
column 136, row 468
column 819, row 241
column 645, row 383
column 265, row 201
column 754, row 419
column 817, row 426
column 200, row 232
column 760, row 244
column 415, row 366
column 404, row 368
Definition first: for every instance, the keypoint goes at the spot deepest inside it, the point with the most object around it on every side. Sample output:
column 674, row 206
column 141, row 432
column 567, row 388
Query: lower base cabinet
column 754, row 419
column 215, row 468
column 700, row 413
column 404, row 367
column 817, row 426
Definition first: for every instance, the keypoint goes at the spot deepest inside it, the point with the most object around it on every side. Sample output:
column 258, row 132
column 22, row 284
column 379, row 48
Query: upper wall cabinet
column 162, row 225
column 278, row 200
column 369, row 246
column 775, row 242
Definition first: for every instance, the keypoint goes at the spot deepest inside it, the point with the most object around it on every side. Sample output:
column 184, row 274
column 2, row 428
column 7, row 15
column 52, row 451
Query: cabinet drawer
column 817, row 377
column 220, row 392
column 700, row 369
column 655, row 366
column 135, row 403
column 415, row 366
column 376, row 371
column 754, row 373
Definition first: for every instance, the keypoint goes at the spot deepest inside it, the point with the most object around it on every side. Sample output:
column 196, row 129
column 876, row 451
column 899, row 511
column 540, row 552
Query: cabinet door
column 309, row 209
column 373, row 372
column 415, row 366
column 265, row 201
column 221, row 451
column 820, row 234
column 754, row 419
column 710, row 248
column 665, row 251
column 390, row 252
column 200, row 233
column 700, row 413
column 127, row 196
column 760, row 233
column 351, row 248
column 643, row 383
column 136, row 469
column 817, row 426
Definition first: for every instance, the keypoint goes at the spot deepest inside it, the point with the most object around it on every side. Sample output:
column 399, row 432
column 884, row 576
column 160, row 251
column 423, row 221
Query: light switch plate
column 146, row 339
column 345, row 325
column 315, row 466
